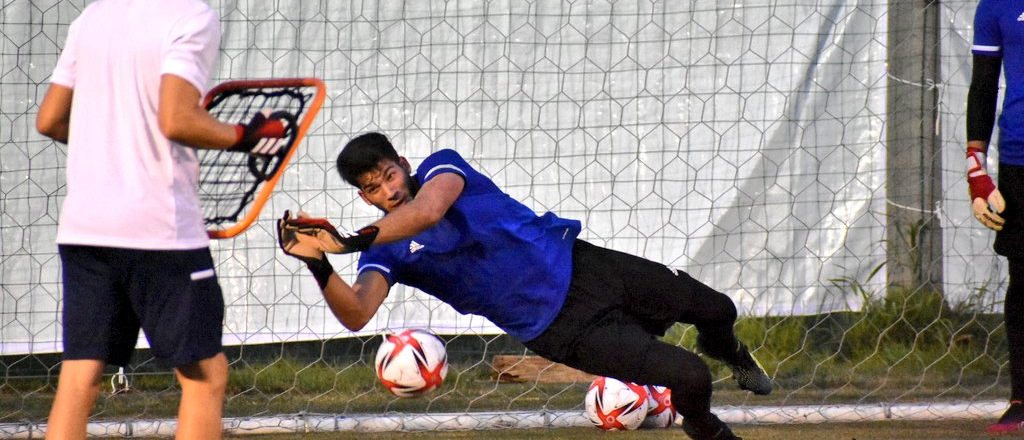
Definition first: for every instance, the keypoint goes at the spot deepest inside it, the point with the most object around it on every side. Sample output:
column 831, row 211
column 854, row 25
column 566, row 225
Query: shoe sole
column 1004, row 428
column 761, row 391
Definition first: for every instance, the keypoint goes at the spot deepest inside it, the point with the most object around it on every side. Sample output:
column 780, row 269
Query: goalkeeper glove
column 986, row 200
column 319, row 234
column 308, row 238
column 309, row 253
column 265, row 134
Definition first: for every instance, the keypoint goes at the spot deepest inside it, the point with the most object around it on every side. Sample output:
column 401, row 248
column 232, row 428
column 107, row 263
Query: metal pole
column 913, row 180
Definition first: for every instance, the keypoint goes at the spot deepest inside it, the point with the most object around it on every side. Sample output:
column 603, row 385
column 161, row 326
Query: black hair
column 363, row 154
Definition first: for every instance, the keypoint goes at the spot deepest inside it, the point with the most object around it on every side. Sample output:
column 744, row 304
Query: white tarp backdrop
column 740, row 142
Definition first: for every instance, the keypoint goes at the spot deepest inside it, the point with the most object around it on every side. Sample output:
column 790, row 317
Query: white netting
column 741, row 142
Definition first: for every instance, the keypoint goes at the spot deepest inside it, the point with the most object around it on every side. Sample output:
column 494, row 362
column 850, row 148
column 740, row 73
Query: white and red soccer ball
column 411, row 363
column 613, row 405
column 660, row 412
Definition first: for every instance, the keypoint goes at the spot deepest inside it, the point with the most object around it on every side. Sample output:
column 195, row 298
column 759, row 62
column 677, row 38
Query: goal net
column 741, row 142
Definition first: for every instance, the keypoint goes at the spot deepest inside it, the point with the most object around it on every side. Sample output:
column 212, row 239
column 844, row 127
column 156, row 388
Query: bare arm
column 424, row 211
column 354, row 305
column 54, row 116
column 183, row 119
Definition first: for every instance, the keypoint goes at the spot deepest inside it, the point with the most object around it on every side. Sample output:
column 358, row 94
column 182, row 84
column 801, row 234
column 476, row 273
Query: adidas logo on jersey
column 1021, row 17
column 414, row 246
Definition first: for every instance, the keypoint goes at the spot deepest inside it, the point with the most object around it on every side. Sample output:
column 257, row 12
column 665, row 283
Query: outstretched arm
column 424, row 211
column 355, row 305
column 418, row 215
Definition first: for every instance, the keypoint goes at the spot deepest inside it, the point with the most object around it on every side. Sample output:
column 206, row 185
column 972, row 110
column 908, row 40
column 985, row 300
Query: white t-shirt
column 127, row 184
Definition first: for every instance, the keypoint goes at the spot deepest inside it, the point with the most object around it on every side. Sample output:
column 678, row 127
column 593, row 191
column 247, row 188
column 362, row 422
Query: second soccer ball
column 660, row 412
column 613, row 405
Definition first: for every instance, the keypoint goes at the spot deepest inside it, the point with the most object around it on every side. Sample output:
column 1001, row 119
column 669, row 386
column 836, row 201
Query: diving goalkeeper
column 450, row 231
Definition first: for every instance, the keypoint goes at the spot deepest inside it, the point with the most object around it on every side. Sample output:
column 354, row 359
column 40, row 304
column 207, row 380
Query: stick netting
column 229, row 181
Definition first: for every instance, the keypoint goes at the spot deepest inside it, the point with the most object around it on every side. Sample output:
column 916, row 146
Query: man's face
column 388, row 186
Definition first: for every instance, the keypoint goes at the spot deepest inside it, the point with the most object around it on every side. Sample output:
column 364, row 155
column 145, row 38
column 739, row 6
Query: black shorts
column 617, row 306
column 1010, row 241
column 110, row 293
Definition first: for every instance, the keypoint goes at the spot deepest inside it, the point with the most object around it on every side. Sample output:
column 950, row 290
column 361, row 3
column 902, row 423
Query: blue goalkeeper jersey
column 999, row 31
column 490, row 255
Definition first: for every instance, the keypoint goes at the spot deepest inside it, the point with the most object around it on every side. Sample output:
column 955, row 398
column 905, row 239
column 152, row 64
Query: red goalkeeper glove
column 986, row 200
column 265, row 134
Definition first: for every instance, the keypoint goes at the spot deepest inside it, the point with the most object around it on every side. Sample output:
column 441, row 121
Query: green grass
column 903, row 347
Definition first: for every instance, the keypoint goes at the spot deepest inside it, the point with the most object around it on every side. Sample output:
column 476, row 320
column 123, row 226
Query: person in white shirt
column 125, row 97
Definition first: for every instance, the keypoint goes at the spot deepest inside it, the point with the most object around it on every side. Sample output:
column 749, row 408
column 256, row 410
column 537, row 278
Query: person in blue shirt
column 999, row 45
column 449, row 231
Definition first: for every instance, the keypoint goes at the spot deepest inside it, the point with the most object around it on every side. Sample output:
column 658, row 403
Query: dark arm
column 982, row 98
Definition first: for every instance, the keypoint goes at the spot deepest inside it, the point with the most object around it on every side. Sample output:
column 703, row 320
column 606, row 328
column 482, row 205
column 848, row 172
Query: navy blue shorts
column 110, row 293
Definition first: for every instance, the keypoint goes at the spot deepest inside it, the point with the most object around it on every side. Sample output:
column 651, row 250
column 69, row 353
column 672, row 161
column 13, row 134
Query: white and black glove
column 318, row 234
column 308, row 239
column 293, row 243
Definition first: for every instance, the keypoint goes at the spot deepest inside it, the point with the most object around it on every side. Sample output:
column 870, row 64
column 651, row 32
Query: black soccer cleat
column 715, row 429
column 745, row 368
column 750, row 374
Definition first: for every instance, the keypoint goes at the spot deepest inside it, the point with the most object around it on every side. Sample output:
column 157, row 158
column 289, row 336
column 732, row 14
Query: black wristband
column 322, row 271
column 363, row 238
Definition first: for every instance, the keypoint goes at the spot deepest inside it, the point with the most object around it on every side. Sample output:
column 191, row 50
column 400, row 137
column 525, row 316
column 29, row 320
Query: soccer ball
column 616, row 406
column 411, row 363
column 660, row 412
